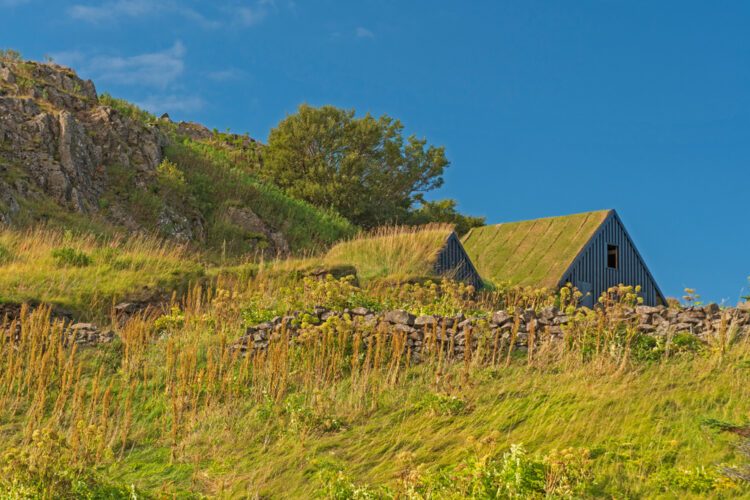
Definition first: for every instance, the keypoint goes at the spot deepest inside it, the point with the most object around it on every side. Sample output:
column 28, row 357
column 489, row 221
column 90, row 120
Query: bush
column 439, row 404
column 68, row 256
column 43, row 470
column 444, row 211
column 171, row 179
column 697, row 480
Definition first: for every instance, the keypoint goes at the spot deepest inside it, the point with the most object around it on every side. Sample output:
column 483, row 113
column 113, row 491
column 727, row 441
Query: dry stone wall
column 547, row 324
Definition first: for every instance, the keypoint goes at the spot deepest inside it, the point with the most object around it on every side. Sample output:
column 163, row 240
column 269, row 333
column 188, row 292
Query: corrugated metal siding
column 452, row 261
column 591, row 264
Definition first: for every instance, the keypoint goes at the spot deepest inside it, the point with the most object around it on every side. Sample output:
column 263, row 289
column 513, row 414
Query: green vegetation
column 171, row 408
column 398, row 253
column 519, row 252
column 85, row 274
column 444, row 211
column 362, row 167
column 127, row 109
column 216, row 181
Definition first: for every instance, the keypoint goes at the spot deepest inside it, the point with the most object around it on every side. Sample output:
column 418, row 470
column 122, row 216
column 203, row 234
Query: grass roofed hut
column 591, row 250
column 407, row 253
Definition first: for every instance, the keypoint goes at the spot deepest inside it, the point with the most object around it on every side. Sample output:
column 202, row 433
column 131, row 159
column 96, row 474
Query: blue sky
column 545, row 108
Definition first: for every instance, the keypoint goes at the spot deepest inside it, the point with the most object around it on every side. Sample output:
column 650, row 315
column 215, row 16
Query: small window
column 613, row 256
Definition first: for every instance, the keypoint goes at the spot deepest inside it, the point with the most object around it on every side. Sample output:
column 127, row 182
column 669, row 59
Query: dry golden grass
column 396, row 253
column 172, row 406
column 85, row 273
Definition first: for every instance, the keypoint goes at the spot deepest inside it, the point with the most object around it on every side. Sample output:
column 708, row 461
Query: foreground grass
column 171, row 409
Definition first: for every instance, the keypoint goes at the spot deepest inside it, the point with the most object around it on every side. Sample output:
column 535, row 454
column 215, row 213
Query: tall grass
column 397, row 253
column 85, row 273
column 172, row 406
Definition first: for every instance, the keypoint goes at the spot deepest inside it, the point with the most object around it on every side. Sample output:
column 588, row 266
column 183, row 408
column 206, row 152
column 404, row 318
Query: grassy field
column 85, row 274
column 170, row 410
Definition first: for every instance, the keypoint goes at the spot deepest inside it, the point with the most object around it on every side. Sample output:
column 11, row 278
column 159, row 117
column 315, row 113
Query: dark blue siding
column 453, row 262
column 590, row 266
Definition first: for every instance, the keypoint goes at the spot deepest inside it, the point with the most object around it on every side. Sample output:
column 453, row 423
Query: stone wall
column 549, row 324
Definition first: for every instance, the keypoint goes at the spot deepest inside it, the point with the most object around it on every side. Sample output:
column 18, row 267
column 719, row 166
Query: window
column 613, row 256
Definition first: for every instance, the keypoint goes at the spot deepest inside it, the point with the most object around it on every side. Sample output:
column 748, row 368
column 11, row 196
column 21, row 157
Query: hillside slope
column 73, row 158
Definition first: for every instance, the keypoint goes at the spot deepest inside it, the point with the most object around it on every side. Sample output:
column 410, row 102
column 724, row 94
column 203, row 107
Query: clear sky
column 545, row 107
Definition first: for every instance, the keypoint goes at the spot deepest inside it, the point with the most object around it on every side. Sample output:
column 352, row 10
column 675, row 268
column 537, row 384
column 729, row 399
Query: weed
column 68, row 256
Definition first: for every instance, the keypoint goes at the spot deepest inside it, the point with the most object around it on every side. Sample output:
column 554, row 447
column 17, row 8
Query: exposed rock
column 425, row 321
column 194, row 130
column 248, row 221
column 360, row 311
column 399, row 316
column 8, row 199
column 175, row 226
column 500, row 318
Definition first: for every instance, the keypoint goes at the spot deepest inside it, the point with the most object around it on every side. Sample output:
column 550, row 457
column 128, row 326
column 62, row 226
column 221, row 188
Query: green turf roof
column 399, row 253
column 533, row 252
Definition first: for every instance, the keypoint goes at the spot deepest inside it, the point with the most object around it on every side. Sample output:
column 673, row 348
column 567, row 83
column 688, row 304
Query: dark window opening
column 613, row 256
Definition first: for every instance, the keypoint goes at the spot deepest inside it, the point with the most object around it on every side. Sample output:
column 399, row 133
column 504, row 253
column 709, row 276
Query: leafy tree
column 362, row 167
column 445, row 211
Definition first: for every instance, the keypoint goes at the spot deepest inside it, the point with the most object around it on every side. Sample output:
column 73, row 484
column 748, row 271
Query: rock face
column 56, row 138
column 247, row 220
column 59, row 142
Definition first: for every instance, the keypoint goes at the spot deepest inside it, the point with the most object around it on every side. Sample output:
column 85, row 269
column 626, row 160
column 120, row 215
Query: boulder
column 425, row 321
column 399, row 317
column 500, row 318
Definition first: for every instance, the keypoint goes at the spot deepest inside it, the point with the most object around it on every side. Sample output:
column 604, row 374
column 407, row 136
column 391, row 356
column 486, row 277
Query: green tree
column 363, row 168
column 445, row 211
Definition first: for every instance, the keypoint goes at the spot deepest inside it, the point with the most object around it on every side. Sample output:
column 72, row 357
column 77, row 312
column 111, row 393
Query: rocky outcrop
column 57, row 139
column 248, row 221
column 452, row 332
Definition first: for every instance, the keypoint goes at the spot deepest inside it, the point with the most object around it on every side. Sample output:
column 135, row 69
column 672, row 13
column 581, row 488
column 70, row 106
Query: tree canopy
column 445, row 211
column 364, row 168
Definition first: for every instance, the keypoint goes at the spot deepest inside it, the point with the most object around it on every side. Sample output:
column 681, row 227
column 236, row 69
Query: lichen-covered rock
column 399, row 317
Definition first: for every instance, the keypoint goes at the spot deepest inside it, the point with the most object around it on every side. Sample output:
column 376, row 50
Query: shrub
column 43, row 470
column 68, row 256
column 516, row 475
column 697, row 480
column 439, row 404
column 339, row 486
column 171, row 178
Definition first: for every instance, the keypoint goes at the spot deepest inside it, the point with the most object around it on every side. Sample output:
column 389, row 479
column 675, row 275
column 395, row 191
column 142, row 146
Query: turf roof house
column 592, row 250
column 407, row 253
column 453, row 261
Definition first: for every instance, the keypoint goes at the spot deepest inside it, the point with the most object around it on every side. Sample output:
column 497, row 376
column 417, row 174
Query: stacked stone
column 452, row 331
column 87, row 334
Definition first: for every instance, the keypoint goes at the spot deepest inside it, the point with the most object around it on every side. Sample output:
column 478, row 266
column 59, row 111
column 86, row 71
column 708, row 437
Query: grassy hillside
column 86, row 273
column 216, row 179
column 171, row 409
